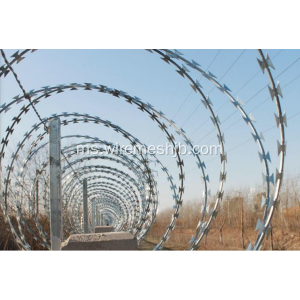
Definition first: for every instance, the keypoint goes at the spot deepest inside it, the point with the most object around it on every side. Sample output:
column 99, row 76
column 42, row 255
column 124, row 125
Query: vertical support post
column 37, row 194
column 28, row 209
column 55, row 184
column 93, row 216
column 85, row 207
column 97, row 216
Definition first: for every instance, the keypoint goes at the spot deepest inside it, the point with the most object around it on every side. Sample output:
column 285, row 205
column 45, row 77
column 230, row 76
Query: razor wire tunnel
column 118, row 188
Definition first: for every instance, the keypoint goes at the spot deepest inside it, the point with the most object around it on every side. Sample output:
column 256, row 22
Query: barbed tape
column 183, row 70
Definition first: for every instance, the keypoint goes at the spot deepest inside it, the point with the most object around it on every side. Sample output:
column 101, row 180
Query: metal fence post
column 85, row 207
column 93, row 215
column 55, row 184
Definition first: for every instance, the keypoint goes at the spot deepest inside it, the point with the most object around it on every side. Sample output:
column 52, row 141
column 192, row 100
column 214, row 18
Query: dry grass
column 233, row 229
column 285, row 232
